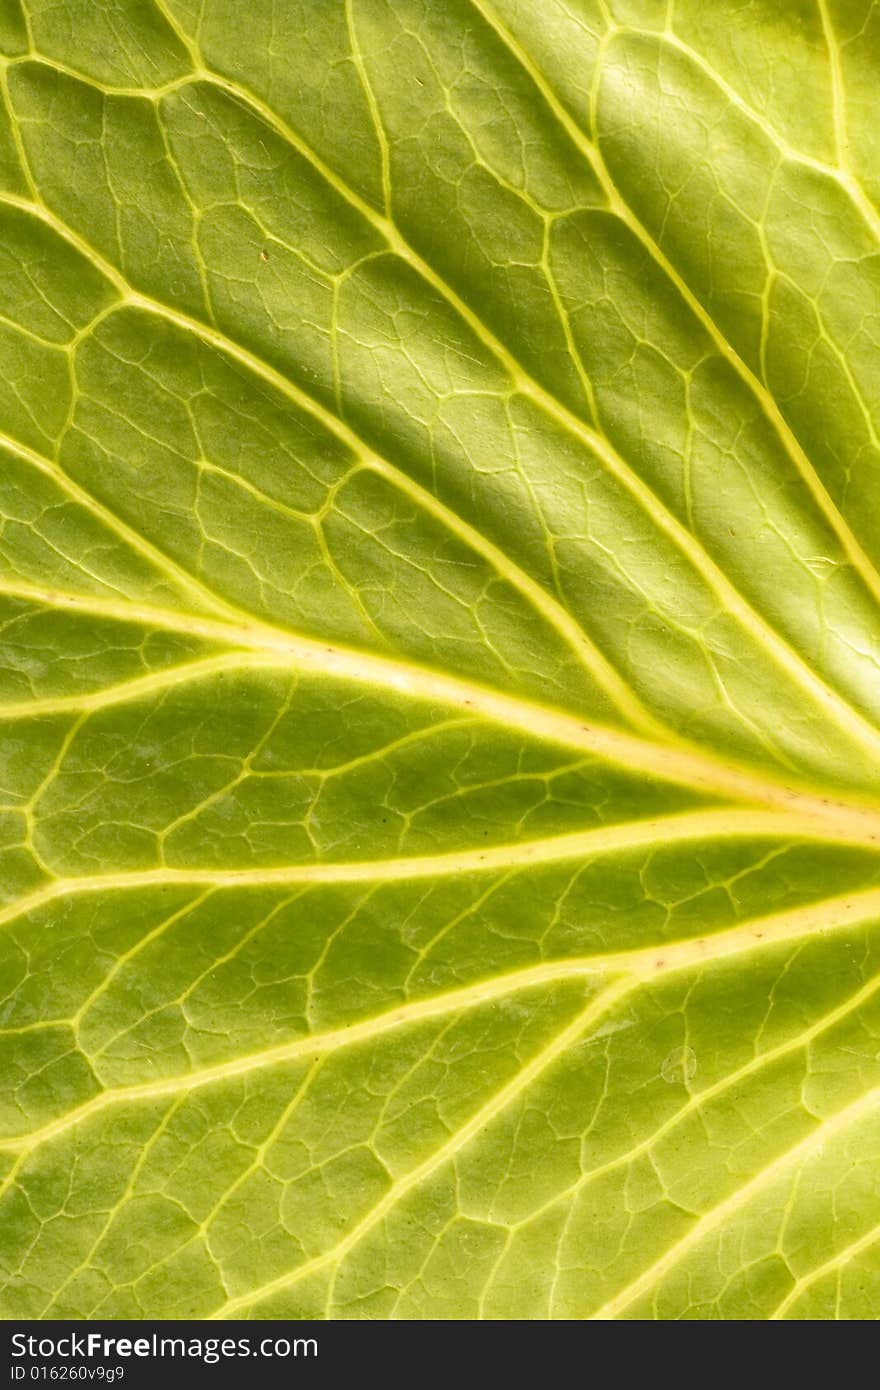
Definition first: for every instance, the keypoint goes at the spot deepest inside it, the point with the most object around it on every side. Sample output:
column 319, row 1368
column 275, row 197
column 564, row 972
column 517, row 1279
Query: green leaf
column 440, row 680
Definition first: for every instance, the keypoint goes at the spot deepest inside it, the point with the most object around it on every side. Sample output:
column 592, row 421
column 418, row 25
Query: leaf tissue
column 440, row 659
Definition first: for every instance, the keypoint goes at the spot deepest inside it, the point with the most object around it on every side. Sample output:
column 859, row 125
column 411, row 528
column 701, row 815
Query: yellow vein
column 309, row 1046
column 373, row 106
column 856, row 724
column 15, row 131
column 444, row 1154
column 187, row 584
column 109, row 89
column 771, row 133
column 592, row 658
column 840, row 173
column 803, row 1151
column 833, row 1265
column 157, row 682
column 761, row 631
column 700, row 771
column 576, row 845
column 109, row 1217
column 857, row 556
column 573, row 634
column 699, row 1099
column 179, row 31
column 838, row 95
column 763, row 634
column 633, row 968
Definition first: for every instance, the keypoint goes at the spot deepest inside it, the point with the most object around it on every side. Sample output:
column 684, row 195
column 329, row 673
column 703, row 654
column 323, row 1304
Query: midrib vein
column 266, row 647
column 579, row 845
column 592, row 152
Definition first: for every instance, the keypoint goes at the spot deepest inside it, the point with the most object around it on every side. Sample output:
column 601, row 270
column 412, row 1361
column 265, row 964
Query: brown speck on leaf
column 264, row 254
column 659, row 964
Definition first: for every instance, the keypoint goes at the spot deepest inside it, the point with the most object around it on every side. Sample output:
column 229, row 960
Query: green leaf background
column 440, row 747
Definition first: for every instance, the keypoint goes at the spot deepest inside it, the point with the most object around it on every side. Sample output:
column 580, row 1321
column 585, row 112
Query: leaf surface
column 440, row 679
